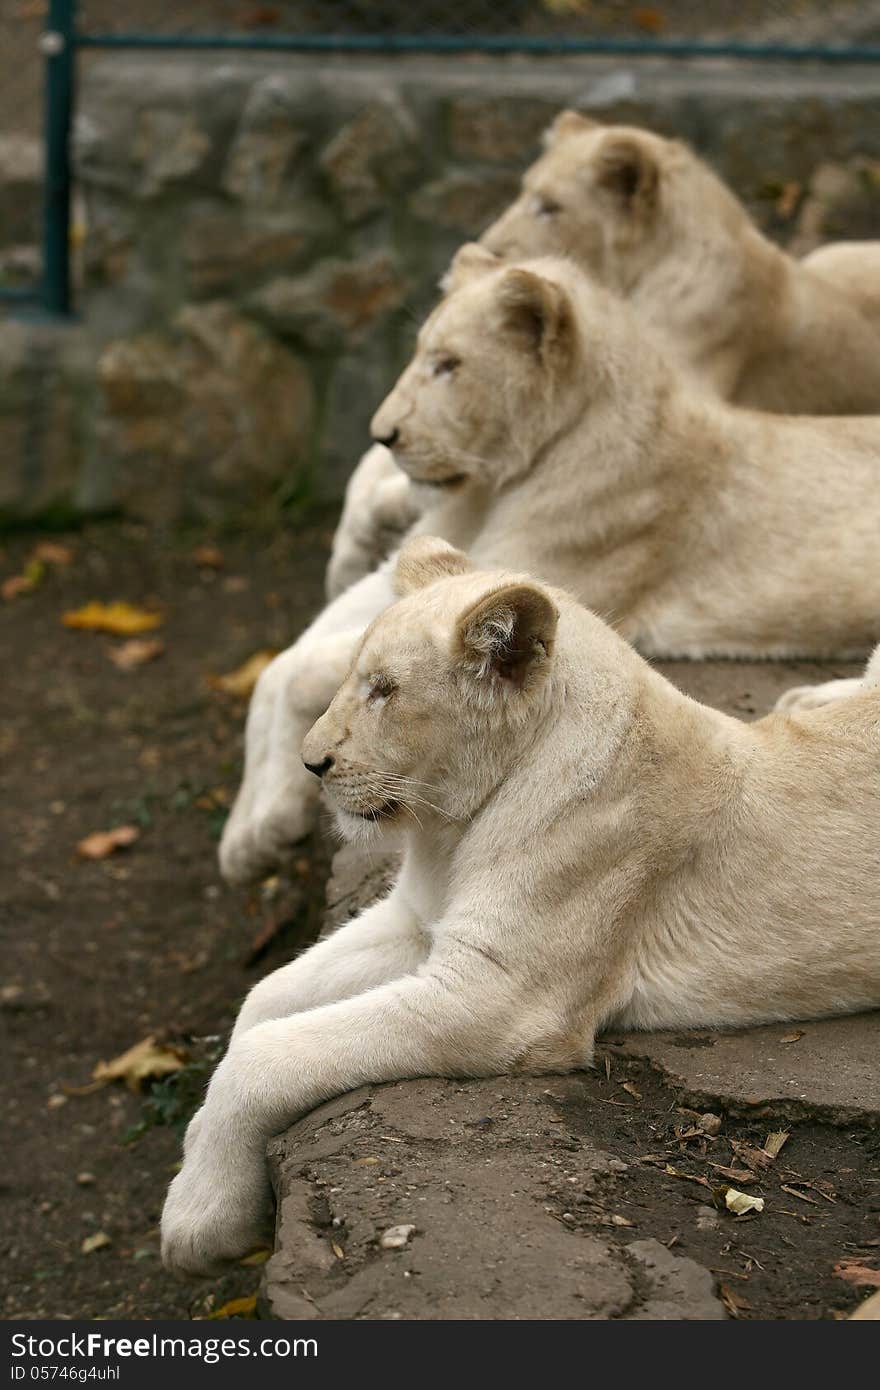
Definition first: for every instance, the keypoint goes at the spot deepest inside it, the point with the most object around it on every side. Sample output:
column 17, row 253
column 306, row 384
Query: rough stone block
column 21, row 189
column 497, row 129
column 372, row 153
column 335, row 303
column 46, row 374
column 207, row 416
column 169, row 147
column 269, row 137
column 465, row 201
column 486, row 1243
column 224, row 249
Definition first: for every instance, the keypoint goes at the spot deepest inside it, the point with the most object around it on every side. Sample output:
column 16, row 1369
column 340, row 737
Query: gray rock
column 370, row 154
column 336, row 303
column 206, row 417
column 486, row 1244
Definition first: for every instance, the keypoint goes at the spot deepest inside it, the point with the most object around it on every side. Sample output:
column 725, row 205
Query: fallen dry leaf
column 121, row 619
column 208, row 557
column 136, row 652
column 337, row 1250
column 649, row 20
column 24, row 583
column 733, row 1301
column 631, row 1089
column 242, row 680
column 742, row 1175
column 756, row 1159
column 854, row 1272
column 237, row 1308
column 740, row 1202
column 102, row 843
column 15, row 585
column 51, row 553
column 147, row 1060
column 775, row 1140
column 99, row 1241
column 687, row 1177
column 257, row 1257
column 788, row 199
column 793, row 1037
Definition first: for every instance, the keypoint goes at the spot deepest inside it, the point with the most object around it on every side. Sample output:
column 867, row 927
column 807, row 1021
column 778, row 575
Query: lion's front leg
column 277, row 801
column 454, row 1023
column 380, row 506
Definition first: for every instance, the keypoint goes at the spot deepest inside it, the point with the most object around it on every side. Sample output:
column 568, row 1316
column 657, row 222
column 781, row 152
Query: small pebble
column 396, row 1237
column 85, row 1179
column 709, row 1123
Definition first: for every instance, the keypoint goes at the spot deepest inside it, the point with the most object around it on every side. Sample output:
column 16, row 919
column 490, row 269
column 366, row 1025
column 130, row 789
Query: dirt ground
column 100, row 955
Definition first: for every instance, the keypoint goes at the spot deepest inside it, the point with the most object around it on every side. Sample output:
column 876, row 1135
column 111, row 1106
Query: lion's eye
column 545, row 207
column 445, row 366
column 381, row 687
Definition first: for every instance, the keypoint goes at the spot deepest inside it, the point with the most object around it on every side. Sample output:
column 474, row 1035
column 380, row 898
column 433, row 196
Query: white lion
column 646, row 218
column 552, row 433
column 583, row 846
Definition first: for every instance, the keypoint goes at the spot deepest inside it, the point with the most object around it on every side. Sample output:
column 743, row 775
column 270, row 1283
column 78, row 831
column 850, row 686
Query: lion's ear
column 508, row 635
column 628, row 170
column 536, row 311
column 425, row 559
column 566, row 124
column 470, row 262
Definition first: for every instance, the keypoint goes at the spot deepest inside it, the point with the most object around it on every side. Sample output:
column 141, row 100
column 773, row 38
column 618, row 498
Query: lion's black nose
column 389, row 440
column 320, row 768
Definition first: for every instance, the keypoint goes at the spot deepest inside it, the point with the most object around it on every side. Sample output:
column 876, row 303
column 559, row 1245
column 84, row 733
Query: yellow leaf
column 122, row 619
column 241, row 681
column 99, row 1241
column 147, row 1060
column 104, row 842
column 740, row 1202
column 256, row 1257
column 237, row 1308
column 25, row 583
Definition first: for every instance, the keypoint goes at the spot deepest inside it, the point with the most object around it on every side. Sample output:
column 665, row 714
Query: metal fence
column 68, row 31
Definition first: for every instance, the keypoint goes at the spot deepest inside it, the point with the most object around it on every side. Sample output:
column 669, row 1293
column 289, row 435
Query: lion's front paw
column 257, row 843
column 807, row 697
column 211, row 1218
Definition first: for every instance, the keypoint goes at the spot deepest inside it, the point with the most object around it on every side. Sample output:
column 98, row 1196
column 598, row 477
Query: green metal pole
column 57, row 45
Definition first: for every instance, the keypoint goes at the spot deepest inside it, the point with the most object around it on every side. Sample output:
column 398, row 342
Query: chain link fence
column 783, row 22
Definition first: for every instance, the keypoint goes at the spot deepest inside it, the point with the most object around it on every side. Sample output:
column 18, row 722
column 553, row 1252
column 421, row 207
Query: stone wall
column 262, row 236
